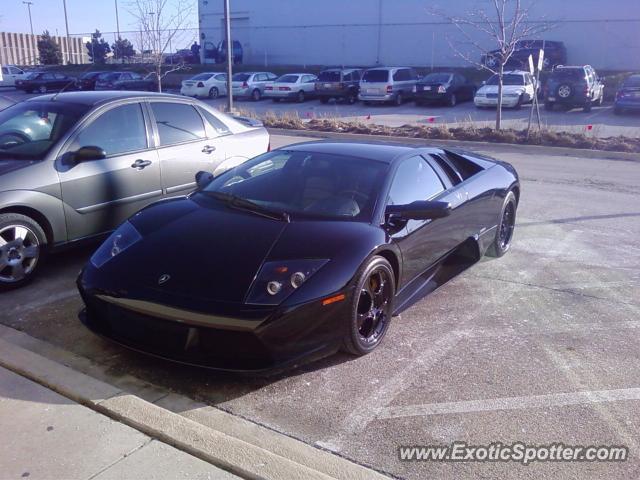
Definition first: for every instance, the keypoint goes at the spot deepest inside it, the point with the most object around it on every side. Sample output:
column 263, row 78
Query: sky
column 84, row 16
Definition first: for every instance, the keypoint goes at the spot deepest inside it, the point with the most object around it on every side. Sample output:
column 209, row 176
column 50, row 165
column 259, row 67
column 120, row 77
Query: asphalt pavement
column 540, row 346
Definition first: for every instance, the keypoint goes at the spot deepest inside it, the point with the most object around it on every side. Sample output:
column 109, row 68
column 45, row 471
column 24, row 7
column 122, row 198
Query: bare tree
column 489, row 36
column 162, row 23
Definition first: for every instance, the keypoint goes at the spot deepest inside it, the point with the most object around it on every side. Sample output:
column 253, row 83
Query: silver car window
column 177, row 123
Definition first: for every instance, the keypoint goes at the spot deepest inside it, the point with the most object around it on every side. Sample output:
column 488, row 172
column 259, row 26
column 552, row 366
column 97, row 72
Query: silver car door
column 100, row 194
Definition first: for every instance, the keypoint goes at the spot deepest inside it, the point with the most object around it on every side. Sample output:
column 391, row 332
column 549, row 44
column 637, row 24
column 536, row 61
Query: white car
column 208, row 84
column 292, row 86
column 518, row 88
column 10, row 74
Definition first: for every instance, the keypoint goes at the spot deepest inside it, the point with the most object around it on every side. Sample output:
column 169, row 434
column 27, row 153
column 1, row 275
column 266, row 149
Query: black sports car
column 297, row 253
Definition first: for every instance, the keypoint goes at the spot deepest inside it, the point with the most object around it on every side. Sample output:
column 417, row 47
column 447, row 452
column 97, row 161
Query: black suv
column 573, row 87
column 555, row 53
column 339, row 84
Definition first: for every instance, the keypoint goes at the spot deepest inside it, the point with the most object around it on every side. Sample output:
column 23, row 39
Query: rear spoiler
column 249, row 122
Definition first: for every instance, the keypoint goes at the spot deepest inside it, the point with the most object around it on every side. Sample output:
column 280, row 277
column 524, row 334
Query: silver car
column 75, row 165
column 251, row 84
column 387, row 85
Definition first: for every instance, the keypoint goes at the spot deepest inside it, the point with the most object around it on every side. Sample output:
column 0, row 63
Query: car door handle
column 141, row 164
column 208, row 149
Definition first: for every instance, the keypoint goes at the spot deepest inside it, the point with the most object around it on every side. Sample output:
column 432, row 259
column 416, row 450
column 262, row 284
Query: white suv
column 518, row 87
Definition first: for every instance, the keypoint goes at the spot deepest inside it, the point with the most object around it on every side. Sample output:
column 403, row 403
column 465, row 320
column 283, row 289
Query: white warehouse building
column 605, row 34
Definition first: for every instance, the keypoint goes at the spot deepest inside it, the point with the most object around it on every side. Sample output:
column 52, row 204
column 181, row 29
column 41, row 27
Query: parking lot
column 601, row 121
column 540, row 346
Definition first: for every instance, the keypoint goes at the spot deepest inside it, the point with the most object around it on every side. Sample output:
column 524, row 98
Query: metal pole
column 66, row 24
column 28, row 4
column 117, row 19
column 227, row 28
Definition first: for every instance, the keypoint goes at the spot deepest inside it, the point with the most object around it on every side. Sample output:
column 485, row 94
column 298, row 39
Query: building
column 22, row 49
column 369, row 32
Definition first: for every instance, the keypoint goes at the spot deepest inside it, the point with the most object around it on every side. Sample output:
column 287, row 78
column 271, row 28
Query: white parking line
column 510, row 403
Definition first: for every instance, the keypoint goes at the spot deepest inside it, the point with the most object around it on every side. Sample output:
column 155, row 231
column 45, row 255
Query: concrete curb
column 222, row 439
column 506, row 147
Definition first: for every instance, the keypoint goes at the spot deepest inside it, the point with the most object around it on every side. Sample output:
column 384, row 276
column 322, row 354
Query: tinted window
column 414, row 180
column 221, row 78
column 241, row 77
column 437, row 78
column 288, row 79
column 356, row 74
column 376, row 76
column 569, row 73
column 402, row 75
column 329, row 76
column 117, row 131
column 5, row 70
column 214, row 121
column 508, row 79
column 177, row 123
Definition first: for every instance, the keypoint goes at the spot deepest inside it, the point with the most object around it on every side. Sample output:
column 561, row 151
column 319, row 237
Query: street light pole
column 227, row 28
column 117, row 30
column 66, row 24
column 28, row 4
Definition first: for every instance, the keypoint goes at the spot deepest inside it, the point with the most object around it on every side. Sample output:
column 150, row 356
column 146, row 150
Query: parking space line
column 510, row 403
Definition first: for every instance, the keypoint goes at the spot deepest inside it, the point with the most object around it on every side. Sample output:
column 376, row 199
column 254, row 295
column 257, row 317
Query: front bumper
column 281, row 94
column 242, row 338
column 508, row 102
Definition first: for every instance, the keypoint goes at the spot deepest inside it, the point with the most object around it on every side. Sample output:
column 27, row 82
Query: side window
column 117, row 131
column 125, row 76
column 400, row 75
column 5, row 70
column 356, row 75
column 412, row 74
column 414, row 180
column 47, row 76
column 448, row 169
column 136, row 76
column 215, row 122
column 177, row 123
column 347, row 77
column 59, row 76
column 221, row 78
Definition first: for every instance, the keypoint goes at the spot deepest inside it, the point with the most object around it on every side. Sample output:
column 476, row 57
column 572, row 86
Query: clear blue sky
column 84, row 16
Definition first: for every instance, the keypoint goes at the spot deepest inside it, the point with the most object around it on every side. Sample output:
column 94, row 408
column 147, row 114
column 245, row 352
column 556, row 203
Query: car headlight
column 442, row 89
column 277, row 280
column 125, row 236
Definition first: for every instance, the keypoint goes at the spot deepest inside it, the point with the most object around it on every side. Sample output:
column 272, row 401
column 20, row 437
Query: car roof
column 381, row 151
column 92, row 98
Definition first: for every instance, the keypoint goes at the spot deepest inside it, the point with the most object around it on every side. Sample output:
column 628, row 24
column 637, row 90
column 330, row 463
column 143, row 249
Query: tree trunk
column 159, row 75
column 499, row 107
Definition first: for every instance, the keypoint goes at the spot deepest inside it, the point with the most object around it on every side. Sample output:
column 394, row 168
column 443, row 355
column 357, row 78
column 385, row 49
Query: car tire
column 256, row 95
column 324, row 100
column 506, row 226
column 301, row 96
column 42, row 89
column 214, row 92
column 564, row 91
column 453, row 101
column 398, row 100
column 371, row 307
column 28, row 253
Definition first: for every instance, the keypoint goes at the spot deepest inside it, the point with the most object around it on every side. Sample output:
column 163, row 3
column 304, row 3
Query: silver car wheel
column 564, row 91
column 19, row 253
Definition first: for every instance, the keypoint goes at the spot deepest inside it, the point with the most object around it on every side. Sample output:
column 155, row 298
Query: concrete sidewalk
column 47, row 436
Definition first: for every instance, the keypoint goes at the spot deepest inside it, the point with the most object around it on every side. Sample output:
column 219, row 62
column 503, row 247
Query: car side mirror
column 88, row 153
column 203, row 179
column 419, row 210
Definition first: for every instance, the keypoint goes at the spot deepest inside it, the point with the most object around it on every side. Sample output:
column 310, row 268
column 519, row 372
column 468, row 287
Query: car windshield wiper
column 249, row 206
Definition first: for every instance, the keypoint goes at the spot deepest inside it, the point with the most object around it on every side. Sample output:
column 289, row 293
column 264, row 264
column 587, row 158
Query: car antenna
column 68, row 84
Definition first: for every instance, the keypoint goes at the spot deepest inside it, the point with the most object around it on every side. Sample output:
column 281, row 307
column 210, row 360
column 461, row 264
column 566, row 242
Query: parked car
column 518, row 88
column 251, row 84
column 555, row 53
column 44, row 81
column 77, row 165
column 88, row 80
column 339, row 84
column 221, row 52
column 125, row 81
column 444, row 87
column 628, row 96
column 387, row 85
column 11, row 73
column 573, row 86
column 208, row 84
column 184, row 55
column 292, row 86
column 328, row 241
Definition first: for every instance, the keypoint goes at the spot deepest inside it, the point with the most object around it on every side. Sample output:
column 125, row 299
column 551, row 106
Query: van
column 387, row 84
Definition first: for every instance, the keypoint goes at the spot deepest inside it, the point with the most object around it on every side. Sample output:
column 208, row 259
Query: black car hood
column 8, row 165
column 209, row 251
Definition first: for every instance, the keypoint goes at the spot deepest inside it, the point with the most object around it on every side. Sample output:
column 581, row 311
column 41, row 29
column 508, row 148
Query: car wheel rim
column 301, row 97
column 213, row 93
column 491, row 62
column 564, row 91
column 19, row 253
column 256, row 95
column 373, row 311
column 507, row 225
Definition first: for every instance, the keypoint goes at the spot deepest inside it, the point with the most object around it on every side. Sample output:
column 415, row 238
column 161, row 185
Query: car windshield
column 288, row 79
column 329, row 76
column 633, row 81
column 508, row 79
column 28, row 130
column 376, row 76
column 437, row 78
column 241, row 77
column 90, row 75
column 203, row 76
column 305, row 184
